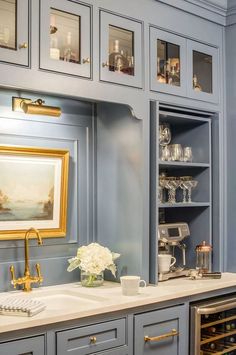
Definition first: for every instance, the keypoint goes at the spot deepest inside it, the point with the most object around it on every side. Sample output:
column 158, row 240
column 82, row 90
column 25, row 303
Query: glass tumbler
column 176, row 152
column 188, row 154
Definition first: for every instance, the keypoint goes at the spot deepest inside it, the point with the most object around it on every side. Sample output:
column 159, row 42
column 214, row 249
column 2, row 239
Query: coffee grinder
column 170, row 236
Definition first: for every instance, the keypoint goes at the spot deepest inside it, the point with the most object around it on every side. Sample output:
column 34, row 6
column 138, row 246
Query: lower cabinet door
column 162, row 332
column 27, row 346
column 107, row 336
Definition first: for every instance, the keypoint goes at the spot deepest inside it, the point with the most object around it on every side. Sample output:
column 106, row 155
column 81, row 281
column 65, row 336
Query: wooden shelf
column 180, row 164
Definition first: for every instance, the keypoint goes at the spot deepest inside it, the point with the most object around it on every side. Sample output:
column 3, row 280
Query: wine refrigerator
column 213, row 327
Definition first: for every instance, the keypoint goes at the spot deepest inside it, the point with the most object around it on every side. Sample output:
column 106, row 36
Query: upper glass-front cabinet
column 183, row 67
column 14, row 31
column 168, row 62
column 66, row 46
column 120, row 53
column 202, row 69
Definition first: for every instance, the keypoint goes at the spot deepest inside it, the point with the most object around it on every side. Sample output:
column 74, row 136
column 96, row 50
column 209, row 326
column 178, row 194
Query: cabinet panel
column 93, row 338
column 168, row 62
column 14, row 31
column 28, row 346
column 66, row 46
column 203, row 72
column 121, row 50
column 159, row 326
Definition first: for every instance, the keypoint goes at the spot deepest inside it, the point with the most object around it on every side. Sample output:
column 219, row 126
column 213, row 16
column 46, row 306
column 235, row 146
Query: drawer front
column 28, row 346
column 166, row 330
column 93, row 338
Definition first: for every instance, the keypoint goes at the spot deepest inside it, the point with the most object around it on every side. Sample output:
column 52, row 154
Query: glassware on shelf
column 64, row 36
column 187, row 154
column 202, row 72
column 183, row 180
column 164, row 134
column 165, row 153
column 8, row 24
column 176, row 152
column 121, row 50
column 161, row 187
column 189, row 185
column 172, row 184
column 168, row 63
column 196, row 85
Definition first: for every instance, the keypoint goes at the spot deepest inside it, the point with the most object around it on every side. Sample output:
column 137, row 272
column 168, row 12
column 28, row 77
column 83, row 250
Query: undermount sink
column 63, row 300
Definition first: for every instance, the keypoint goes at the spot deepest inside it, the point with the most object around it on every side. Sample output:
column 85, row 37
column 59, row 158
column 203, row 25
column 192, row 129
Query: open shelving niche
column 188, row 128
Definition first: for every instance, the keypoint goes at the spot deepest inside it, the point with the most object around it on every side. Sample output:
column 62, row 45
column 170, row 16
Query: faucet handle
column 13, row 278
column 38, row 269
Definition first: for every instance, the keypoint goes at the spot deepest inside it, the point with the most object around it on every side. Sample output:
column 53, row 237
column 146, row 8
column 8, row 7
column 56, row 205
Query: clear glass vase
column 91, row 280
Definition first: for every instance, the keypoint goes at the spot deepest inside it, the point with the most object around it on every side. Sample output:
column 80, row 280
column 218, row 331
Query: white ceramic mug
column 130, row 285
column 165, row 261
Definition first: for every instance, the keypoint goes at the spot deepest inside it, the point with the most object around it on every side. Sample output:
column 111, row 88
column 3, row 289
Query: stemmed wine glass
column 189, row 185
column 182, row 185
column 172, row 184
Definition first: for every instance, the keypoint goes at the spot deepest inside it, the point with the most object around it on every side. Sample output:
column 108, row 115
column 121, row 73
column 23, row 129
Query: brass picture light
column 37, row 107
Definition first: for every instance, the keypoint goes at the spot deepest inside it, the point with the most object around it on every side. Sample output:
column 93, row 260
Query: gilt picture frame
column 33, row 191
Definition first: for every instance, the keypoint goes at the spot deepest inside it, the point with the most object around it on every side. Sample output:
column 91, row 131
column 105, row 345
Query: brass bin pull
column 173, row 333
column 93, row 339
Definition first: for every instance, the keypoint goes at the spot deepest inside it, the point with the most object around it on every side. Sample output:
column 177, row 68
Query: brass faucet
column 27, row 279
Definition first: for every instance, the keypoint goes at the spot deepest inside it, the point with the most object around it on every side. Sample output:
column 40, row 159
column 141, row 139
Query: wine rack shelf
column 219, row 321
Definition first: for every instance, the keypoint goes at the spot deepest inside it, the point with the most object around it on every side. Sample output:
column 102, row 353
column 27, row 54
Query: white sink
column 63, row 300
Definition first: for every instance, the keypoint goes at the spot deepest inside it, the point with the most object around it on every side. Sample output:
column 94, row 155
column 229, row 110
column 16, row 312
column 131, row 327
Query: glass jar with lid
column 203, row 262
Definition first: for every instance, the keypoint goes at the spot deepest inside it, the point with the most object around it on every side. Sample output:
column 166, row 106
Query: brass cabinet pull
column 93, row 339
column 106, row 64
column 23, row 45
column 86, row 60
column 173, row 333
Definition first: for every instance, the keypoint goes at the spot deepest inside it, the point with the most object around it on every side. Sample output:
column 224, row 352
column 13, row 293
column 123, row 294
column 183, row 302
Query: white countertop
column 71, row 301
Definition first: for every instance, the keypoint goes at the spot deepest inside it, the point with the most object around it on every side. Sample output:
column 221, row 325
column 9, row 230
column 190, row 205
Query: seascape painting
column 33, row 191
column 26, row 190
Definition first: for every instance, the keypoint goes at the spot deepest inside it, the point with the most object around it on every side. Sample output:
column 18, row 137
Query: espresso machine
column 170, row 237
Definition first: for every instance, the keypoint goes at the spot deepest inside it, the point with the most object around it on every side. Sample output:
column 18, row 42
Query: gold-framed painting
column 33, row 191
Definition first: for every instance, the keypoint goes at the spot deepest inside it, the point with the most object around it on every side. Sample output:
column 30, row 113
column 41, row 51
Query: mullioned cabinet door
column 65, row 37
column 168, row 62
column 203, row 72
column 120, row 50
column 14, row 32
column 27, row 346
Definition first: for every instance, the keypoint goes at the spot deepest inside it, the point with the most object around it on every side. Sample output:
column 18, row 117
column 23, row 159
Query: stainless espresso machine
column 170, row 237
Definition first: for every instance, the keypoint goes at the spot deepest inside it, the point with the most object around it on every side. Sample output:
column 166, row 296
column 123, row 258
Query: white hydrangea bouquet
column 93, row 259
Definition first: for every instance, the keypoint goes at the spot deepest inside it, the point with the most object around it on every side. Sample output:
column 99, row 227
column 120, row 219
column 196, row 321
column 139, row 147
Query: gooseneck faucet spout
column 28, row 279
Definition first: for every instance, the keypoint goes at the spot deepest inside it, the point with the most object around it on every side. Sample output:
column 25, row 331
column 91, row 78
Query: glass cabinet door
column 202, row 72
column 14, row 31
column 66, row 44
column 121, row 57
column 168, row 62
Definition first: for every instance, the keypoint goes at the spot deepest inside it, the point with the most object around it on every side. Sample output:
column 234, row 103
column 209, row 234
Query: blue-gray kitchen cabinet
column 183, row 67
column 162, row 332
column 66, row 46
column 14, row 32
column 202, row 72
column 110, row 336
column 167, row 56
column 26, row 346
column 120, row 50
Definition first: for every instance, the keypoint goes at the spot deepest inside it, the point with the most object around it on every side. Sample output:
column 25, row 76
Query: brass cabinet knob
column 106, row 64
column 93, row 339
column 86, row 60
column 23, row 45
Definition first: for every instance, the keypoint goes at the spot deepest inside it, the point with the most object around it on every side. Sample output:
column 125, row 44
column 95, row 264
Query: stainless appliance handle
column 216, row 309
